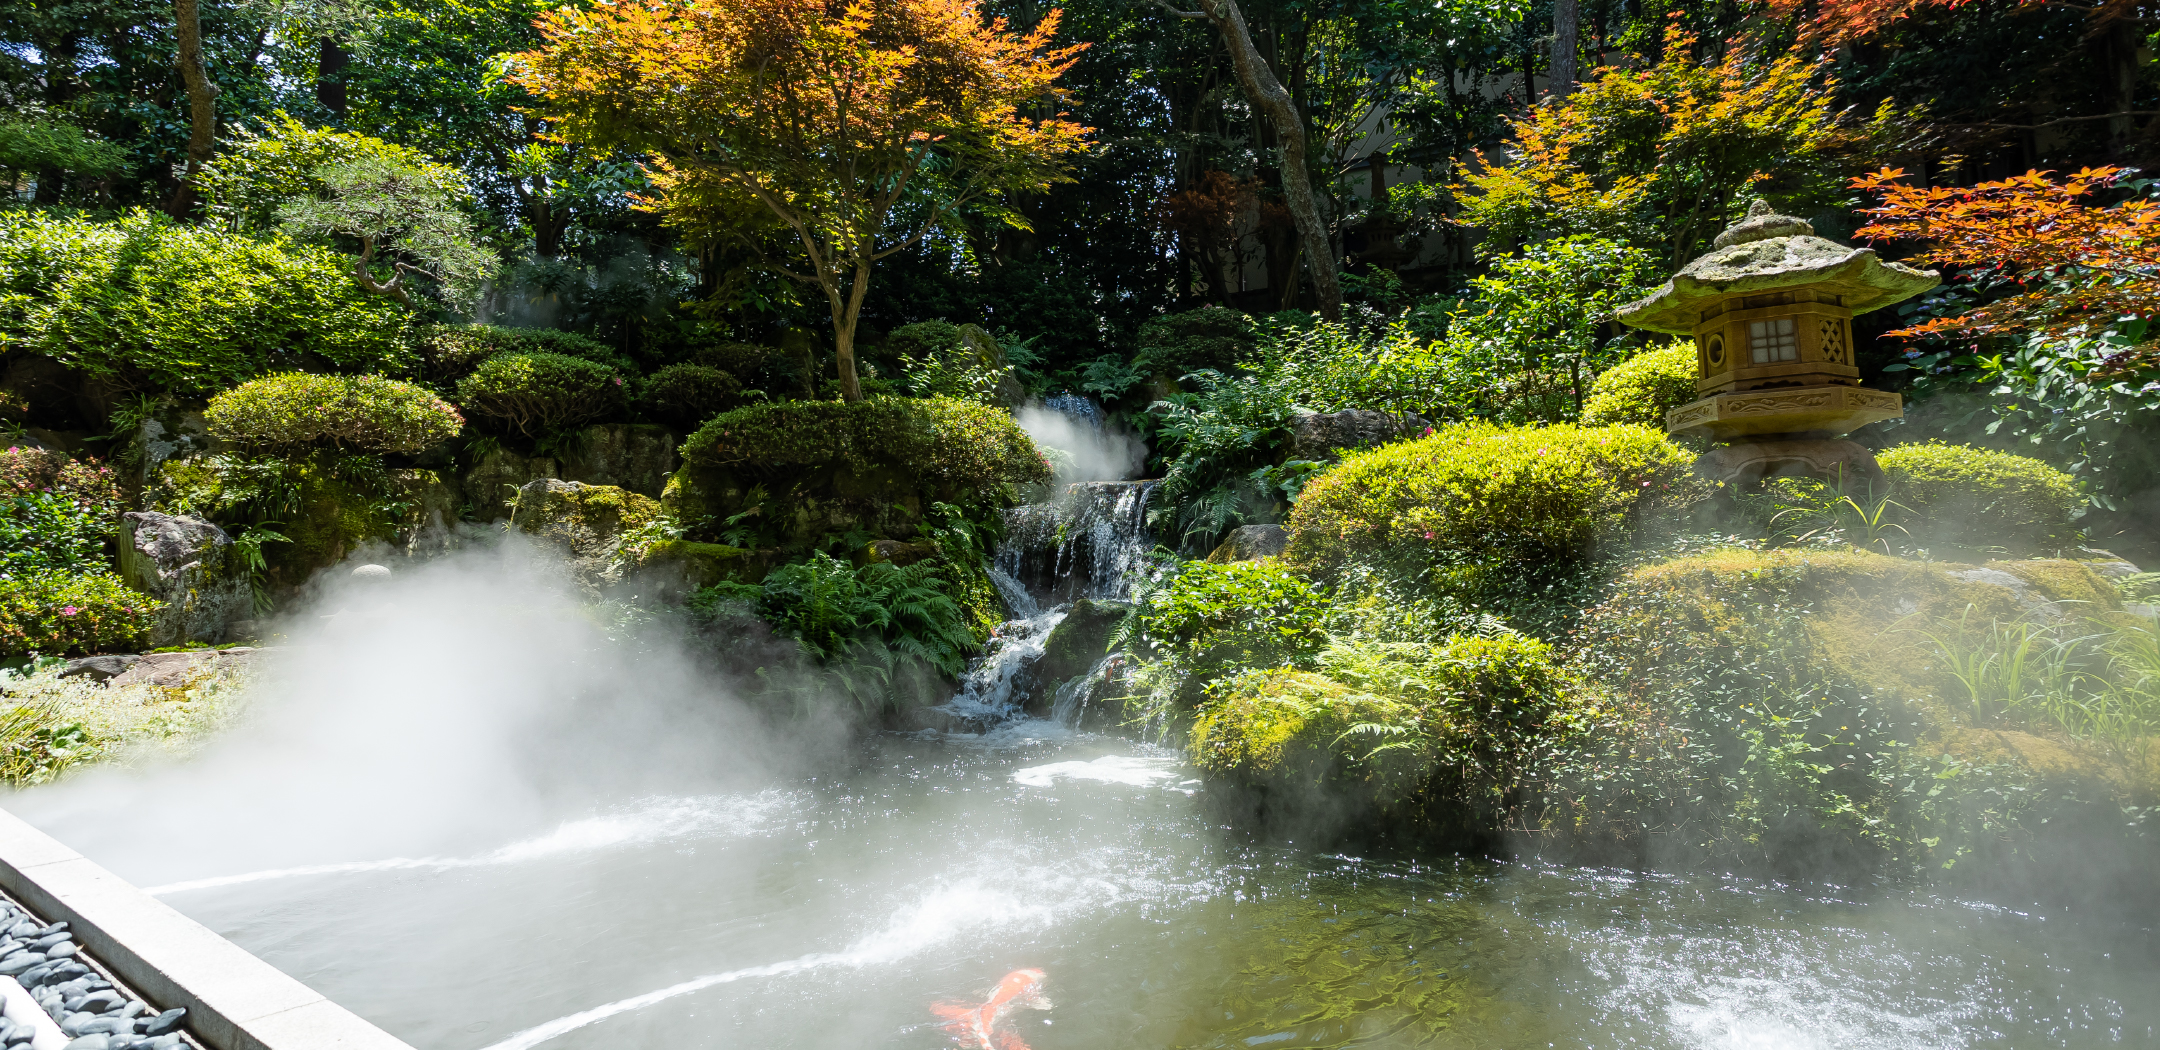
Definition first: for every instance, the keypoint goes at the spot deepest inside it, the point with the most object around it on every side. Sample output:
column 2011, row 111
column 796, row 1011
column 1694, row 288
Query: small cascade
column 1076, row 701
column 998, row 683
column 1084, row 544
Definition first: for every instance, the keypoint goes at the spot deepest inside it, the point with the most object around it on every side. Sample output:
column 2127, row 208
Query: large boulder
column 670, row 569
column 586, row 522
column 191, row 566
column 1247, row 542
column 492, row 480
column 1319, row 435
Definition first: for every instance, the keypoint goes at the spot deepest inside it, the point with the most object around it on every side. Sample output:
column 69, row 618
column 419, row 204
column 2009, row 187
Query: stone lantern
column 1770, row 308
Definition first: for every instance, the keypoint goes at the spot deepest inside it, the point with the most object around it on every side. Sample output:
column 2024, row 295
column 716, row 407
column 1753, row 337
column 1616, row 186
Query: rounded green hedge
column 1979, row 497
column 297, row 410
column 536, row 394
column 687, row 395
column 941, row 441
column 71, row 613
column 1643, row 388
column 1484, row 492
column 449, row 353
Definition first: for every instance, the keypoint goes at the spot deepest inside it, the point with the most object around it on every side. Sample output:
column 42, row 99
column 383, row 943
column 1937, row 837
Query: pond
column 839, row 911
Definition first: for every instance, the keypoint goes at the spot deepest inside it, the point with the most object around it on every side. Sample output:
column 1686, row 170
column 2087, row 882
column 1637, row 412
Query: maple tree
column 2081, row 266
column 834, row 122
column 1669, row 154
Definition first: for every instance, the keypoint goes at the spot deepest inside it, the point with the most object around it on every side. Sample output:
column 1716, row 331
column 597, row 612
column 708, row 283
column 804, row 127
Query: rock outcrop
column 586, row 522
column 191, row 566
column 1317, row 435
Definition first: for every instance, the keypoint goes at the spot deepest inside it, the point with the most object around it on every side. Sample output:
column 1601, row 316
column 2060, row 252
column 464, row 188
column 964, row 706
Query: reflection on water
column 834, row 914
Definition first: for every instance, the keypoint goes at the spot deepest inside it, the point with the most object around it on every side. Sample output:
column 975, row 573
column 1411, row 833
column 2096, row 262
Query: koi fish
column 975, row 1027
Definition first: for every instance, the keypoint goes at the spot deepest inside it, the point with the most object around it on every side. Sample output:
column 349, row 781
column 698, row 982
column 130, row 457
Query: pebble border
column 94, row 1011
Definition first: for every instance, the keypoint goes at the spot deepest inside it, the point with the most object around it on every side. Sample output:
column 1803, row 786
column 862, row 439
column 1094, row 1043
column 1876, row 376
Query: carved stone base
column 1747, row 464
column 1785, row 410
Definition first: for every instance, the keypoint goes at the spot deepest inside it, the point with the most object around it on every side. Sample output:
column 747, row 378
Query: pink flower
column 618, row 380
column 69, row 610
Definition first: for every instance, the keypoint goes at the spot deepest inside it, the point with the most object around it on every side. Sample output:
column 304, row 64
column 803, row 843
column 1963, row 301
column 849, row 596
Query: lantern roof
column 1769, row 252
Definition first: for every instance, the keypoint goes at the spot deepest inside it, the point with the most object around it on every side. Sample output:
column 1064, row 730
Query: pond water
column 835, row 912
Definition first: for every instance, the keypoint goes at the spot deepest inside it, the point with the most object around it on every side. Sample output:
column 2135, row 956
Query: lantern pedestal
column 1749, row 463
column 1787, row 410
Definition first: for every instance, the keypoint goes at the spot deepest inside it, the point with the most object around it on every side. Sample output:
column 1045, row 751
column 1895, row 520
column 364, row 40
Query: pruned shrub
column 687, row 395
column 1643, row 388
column 149, row 304
column 744, row 361
column 537, row 394
column 55, row 513
column 1213, row 337
column 294, row 411
column 71, row 613
column 1479, row 492
column 1976, row 497
column 944, row 443
column 449, row 353
column 1445, row 736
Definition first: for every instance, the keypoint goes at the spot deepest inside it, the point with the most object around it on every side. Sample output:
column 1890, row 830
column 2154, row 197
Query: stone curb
column 234, row 1001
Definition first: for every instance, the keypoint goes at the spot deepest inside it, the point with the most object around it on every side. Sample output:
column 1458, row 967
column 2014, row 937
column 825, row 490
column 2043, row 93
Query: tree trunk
column 330, row 63
column 1268, row 95
column 202, row 105
column 1566, row 23
column 844, row 319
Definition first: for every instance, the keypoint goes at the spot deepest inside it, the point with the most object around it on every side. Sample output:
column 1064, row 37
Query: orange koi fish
column 975, row 1027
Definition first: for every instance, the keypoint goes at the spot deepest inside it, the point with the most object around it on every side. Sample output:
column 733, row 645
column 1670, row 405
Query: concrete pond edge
column 234, row 1000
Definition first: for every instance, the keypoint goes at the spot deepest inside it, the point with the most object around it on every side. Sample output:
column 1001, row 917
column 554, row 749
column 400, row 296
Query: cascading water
column 1087, row 541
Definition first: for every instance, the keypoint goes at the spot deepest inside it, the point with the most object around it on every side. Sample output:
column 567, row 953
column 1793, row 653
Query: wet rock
column 1074, row 647
column 670, row 569
column 1318, row 436
column 491, row 483
column 98, row 668
column 191, row 566
column 1247, row 542
column 900, row 552
column 165, row 1022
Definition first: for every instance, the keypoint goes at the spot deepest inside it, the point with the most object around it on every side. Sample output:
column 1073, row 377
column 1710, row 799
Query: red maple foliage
column 2081, row 265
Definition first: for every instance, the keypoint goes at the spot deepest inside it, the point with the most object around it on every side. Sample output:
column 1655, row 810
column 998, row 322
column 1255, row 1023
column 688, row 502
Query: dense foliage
column 294, row 411
column 685, row 396
column 68, row 613
column 148, row 304
column 56, row 514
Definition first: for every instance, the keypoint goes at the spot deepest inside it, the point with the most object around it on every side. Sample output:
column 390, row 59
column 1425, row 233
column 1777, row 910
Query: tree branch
column 1195, row 15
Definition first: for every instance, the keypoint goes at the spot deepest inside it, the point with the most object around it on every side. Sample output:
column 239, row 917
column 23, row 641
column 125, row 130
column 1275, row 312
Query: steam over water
column 458, row 815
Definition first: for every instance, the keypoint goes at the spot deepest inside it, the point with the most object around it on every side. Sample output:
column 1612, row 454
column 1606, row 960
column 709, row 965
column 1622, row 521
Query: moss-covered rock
column 1822, row 707
column 699, row 565
column 588, row 523
column 1075, row 646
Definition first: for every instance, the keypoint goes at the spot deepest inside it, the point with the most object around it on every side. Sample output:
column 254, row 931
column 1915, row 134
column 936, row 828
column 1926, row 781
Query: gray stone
column 97, row 1041
column 633, row 456
column 1747, row 464
column 170, row 433
column 172, row 670
column 1317, row 436
column 21, row 963
column 191, row 566
column 166, row 1022
column 1247, row 542
column 1075, row 646
column 492, row 481
column 98, row 668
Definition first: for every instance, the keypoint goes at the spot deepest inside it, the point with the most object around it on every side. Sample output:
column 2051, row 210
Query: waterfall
column 1085, row 542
